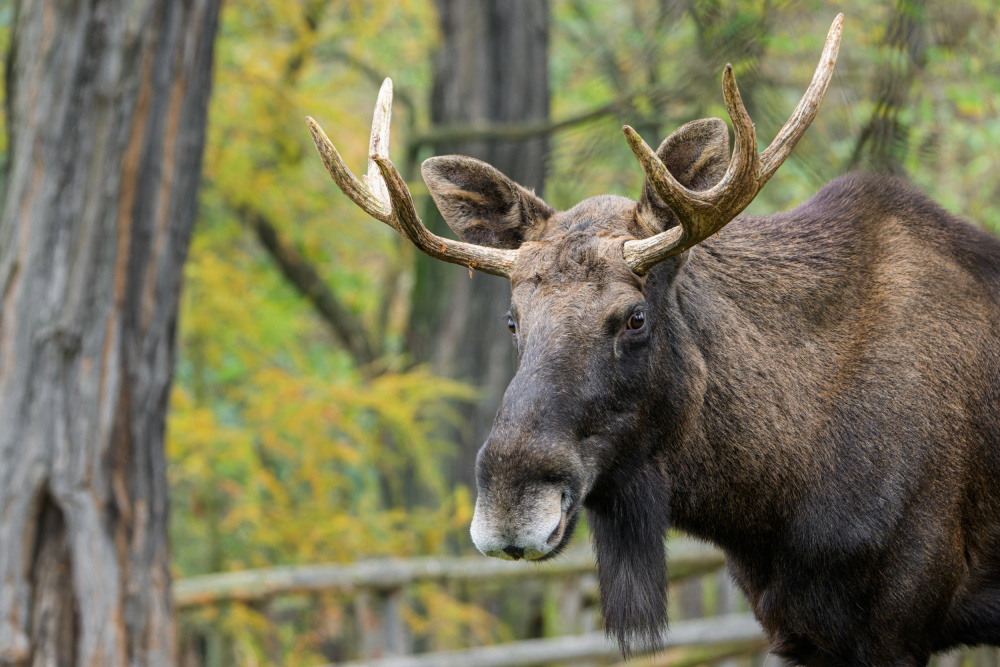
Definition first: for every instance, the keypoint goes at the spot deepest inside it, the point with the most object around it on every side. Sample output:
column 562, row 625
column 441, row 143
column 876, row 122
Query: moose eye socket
column 511, row 325
column 637, row 321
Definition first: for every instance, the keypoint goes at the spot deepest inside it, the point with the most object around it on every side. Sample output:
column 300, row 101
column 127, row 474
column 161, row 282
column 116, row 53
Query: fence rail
column 379, row 589
column 686, row 558
column 723, row 635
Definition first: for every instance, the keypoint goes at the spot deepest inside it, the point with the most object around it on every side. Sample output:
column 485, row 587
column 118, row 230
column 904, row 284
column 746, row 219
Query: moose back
column 817, row 392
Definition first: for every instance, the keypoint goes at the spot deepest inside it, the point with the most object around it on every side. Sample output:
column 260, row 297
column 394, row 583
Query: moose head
column 603, row 384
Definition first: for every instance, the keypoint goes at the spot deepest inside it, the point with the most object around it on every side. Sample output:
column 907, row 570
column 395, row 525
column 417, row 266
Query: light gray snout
column 529, row 528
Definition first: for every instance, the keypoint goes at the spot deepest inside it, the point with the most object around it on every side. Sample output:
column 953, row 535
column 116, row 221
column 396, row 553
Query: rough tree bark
column 106, row 106
column 492, row 67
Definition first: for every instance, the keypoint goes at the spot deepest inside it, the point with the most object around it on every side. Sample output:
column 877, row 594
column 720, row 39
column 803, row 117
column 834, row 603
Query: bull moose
column 817, row 392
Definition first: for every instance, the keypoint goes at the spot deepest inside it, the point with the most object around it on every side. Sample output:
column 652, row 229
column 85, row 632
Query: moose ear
column 481, row 204
column 697, row 154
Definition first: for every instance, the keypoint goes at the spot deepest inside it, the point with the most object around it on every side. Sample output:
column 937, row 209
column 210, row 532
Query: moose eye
column 637, row 321
column 511, row 325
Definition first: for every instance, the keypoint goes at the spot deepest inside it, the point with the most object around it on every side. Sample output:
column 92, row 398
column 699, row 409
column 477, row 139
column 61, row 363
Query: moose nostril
column 514, row 552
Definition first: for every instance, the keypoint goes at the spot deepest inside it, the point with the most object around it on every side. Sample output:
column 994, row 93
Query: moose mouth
column 563, row 533
column 537, row 528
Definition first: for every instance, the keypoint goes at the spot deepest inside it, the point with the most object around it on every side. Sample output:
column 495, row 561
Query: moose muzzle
column 530, row 494
column 528, row 523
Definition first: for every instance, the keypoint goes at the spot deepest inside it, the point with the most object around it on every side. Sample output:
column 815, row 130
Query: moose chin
column 817, row 392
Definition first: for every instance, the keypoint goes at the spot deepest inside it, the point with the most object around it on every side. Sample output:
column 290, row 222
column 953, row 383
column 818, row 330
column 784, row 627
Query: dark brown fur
column 817, row 392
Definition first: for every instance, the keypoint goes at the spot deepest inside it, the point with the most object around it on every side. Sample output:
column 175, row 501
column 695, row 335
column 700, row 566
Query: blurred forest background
column 332, row 386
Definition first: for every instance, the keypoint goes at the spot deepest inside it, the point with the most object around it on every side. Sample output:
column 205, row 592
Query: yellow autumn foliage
column 280, row 450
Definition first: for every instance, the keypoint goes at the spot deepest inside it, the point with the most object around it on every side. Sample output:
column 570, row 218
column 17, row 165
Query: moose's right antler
column 703, row 213
column 384, row 196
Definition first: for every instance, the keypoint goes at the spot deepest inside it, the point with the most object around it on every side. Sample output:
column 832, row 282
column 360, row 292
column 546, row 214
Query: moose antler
column 703, row 213
column 384, row 196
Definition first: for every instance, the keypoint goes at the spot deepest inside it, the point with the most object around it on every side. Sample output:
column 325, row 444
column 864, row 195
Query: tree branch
column 505, row 131
column 523, row 131
column 346, row 328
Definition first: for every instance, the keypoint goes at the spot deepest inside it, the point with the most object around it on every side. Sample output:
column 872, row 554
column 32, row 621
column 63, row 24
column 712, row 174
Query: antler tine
column 370, row 192
column 807, row 107
column 379, row 142
column 702, row 213
column 348, row 183
column 745, row 163
column 495, row 261
column 675, row 195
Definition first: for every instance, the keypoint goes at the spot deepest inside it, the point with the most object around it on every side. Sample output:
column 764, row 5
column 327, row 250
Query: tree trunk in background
column 106, row 103
column 884, row 142
column 492, row 67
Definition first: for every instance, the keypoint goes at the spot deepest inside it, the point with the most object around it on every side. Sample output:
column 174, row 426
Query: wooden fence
column 687, row 643
column 379, row 589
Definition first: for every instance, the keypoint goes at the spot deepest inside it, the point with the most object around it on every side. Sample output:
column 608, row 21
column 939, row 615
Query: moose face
column 581, row 326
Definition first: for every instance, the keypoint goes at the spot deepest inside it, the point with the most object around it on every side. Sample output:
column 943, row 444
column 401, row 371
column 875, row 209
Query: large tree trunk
column 492, row 67
column 106, row 105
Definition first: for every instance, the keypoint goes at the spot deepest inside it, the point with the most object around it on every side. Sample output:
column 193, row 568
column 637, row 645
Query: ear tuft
column 697, row 154
column 481, row 204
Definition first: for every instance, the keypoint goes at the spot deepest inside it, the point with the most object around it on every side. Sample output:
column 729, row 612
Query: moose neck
column 752, row 323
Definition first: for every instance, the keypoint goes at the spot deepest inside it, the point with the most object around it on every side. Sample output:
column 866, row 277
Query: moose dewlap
column 817, row 392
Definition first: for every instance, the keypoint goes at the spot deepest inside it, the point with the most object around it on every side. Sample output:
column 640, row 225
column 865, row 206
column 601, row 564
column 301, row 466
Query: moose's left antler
column 703, row 213
column 384, row 196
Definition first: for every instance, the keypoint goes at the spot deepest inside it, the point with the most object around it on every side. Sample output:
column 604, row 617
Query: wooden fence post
column 380, row 623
